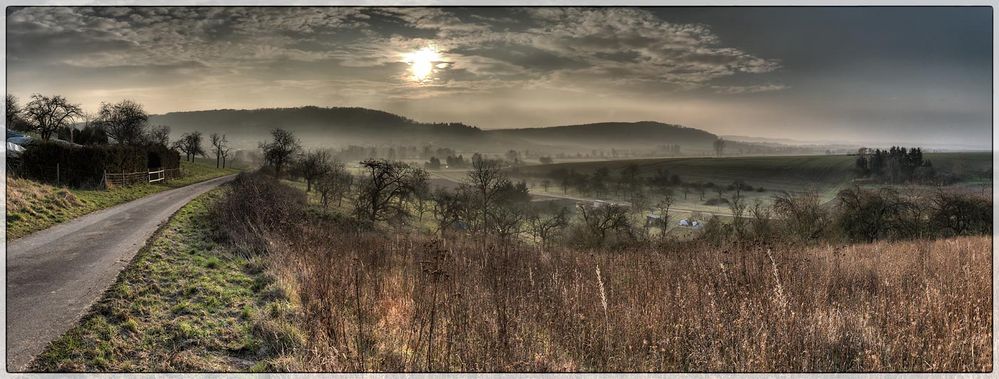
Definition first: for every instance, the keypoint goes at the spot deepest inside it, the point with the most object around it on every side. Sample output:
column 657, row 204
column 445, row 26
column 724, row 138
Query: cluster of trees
column 491, row 203
column 123, row 123
column 895, row 165
column 630, row 183
column 328, row 176
column 856, row 215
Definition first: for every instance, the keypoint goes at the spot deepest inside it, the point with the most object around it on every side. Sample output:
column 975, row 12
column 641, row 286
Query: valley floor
column 327, row 298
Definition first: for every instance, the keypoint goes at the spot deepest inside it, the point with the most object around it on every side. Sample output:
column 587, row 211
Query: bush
column 159, row 156
column 81, row 166
column 866, row 216
column 955, row 214
column 254, row 206
column 802, row 217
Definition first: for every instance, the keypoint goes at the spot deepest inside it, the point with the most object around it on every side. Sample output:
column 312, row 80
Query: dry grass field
column 372, row 301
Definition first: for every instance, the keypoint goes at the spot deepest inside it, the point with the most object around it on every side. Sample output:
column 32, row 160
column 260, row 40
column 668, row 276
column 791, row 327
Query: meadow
column 377, row 299
column 791, row 173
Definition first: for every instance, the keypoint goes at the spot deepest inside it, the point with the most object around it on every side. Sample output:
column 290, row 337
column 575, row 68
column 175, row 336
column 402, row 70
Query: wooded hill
column 341, row 126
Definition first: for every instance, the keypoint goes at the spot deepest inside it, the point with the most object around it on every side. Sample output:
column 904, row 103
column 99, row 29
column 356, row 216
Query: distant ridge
column 355, row 125
column 641, row 133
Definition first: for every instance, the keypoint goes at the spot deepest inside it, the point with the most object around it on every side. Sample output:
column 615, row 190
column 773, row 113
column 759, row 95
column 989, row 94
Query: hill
column 315, row 125
column 339, row 126
column 620, row 134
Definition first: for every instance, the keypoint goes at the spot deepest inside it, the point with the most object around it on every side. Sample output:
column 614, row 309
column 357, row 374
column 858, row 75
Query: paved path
column 55, row 275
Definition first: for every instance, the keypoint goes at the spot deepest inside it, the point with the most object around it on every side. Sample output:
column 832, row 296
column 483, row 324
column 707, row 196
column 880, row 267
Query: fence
column 122, row 179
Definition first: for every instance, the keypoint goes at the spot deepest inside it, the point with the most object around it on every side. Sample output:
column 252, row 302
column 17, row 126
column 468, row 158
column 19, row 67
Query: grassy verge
column 33, row 206
column 184, row 304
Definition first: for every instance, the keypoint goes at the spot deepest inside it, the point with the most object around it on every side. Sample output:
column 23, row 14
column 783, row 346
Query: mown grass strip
column 185, row 303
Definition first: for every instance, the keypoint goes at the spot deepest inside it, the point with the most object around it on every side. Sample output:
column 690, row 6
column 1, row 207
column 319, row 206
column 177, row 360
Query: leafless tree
column 719, row 146
column 384, row 183
column 159, row 135
column 281, row 150
column 190, row 145
column 225, row 155
column 598, row 221
column 544, row 226
column 334, row 184
column 486, row 180
column 46, row 115
column 449, row 208
column 737, row 205
column 219, row 145
column 15, row 114
column 663, row 207
column 124, row 122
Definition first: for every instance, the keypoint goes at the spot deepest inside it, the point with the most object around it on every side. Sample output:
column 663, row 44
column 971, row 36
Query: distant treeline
column 629, row 181
column 896, row 165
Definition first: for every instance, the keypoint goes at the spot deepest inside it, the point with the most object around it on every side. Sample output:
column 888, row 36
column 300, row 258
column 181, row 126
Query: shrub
column 866, row 216
column 81, row 166
column 956, row 214
column 802, row 216
column 254, row 206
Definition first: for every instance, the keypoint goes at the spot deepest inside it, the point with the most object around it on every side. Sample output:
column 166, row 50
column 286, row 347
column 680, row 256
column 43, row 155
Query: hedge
column 80, row 166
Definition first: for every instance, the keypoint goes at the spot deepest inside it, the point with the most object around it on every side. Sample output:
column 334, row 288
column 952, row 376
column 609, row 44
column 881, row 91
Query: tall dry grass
column 372, row 300
column 412, row 303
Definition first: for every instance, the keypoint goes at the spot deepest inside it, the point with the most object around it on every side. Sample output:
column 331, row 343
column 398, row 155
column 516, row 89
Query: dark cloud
column 729, row 70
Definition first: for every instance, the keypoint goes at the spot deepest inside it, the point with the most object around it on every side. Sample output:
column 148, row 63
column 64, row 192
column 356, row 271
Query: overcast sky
column 908, row 75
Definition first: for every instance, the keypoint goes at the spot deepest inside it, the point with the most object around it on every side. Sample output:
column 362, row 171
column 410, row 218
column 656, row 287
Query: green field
column 790, row 173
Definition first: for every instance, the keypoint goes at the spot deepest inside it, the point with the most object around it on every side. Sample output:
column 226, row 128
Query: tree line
column 895, row 165
column 122, row 123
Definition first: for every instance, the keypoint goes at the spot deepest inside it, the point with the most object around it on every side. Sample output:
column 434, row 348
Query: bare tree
column 280, row 151
column 720, row 190
column 384, row 184
column 486, row 179
column 159, row 135
column 124, row 122
column 544, row 226
column 663, row 207
column 449, row 209
column 219, row 145
column 334, row 184
column 601, row 220
column 225, row 155
column 46, row 115
column 719, row 146
column 15, row 114
column 190, row 145
column 313, row 166
column 737, row 205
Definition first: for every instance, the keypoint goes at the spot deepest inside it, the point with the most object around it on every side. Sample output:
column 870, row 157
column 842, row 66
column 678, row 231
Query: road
column 55, row 275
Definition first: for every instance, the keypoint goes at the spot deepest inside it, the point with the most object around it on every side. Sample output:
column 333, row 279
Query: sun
column 423, row 62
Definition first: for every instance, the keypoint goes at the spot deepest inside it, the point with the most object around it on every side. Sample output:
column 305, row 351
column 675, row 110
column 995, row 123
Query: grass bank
column 185, row 303
column 33, row 206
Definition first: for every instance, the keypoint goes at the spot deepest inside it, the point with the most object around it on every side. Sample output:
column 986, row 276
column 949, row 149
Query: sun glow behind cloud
column 424, row 63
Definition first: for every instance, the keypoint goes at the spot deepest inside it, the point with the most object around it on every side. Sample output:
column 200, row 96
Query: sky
column 859, row 74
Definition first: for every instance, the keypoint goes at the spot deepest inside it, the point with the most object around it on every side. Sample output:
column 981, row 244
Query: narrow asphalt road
column 55, row 275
